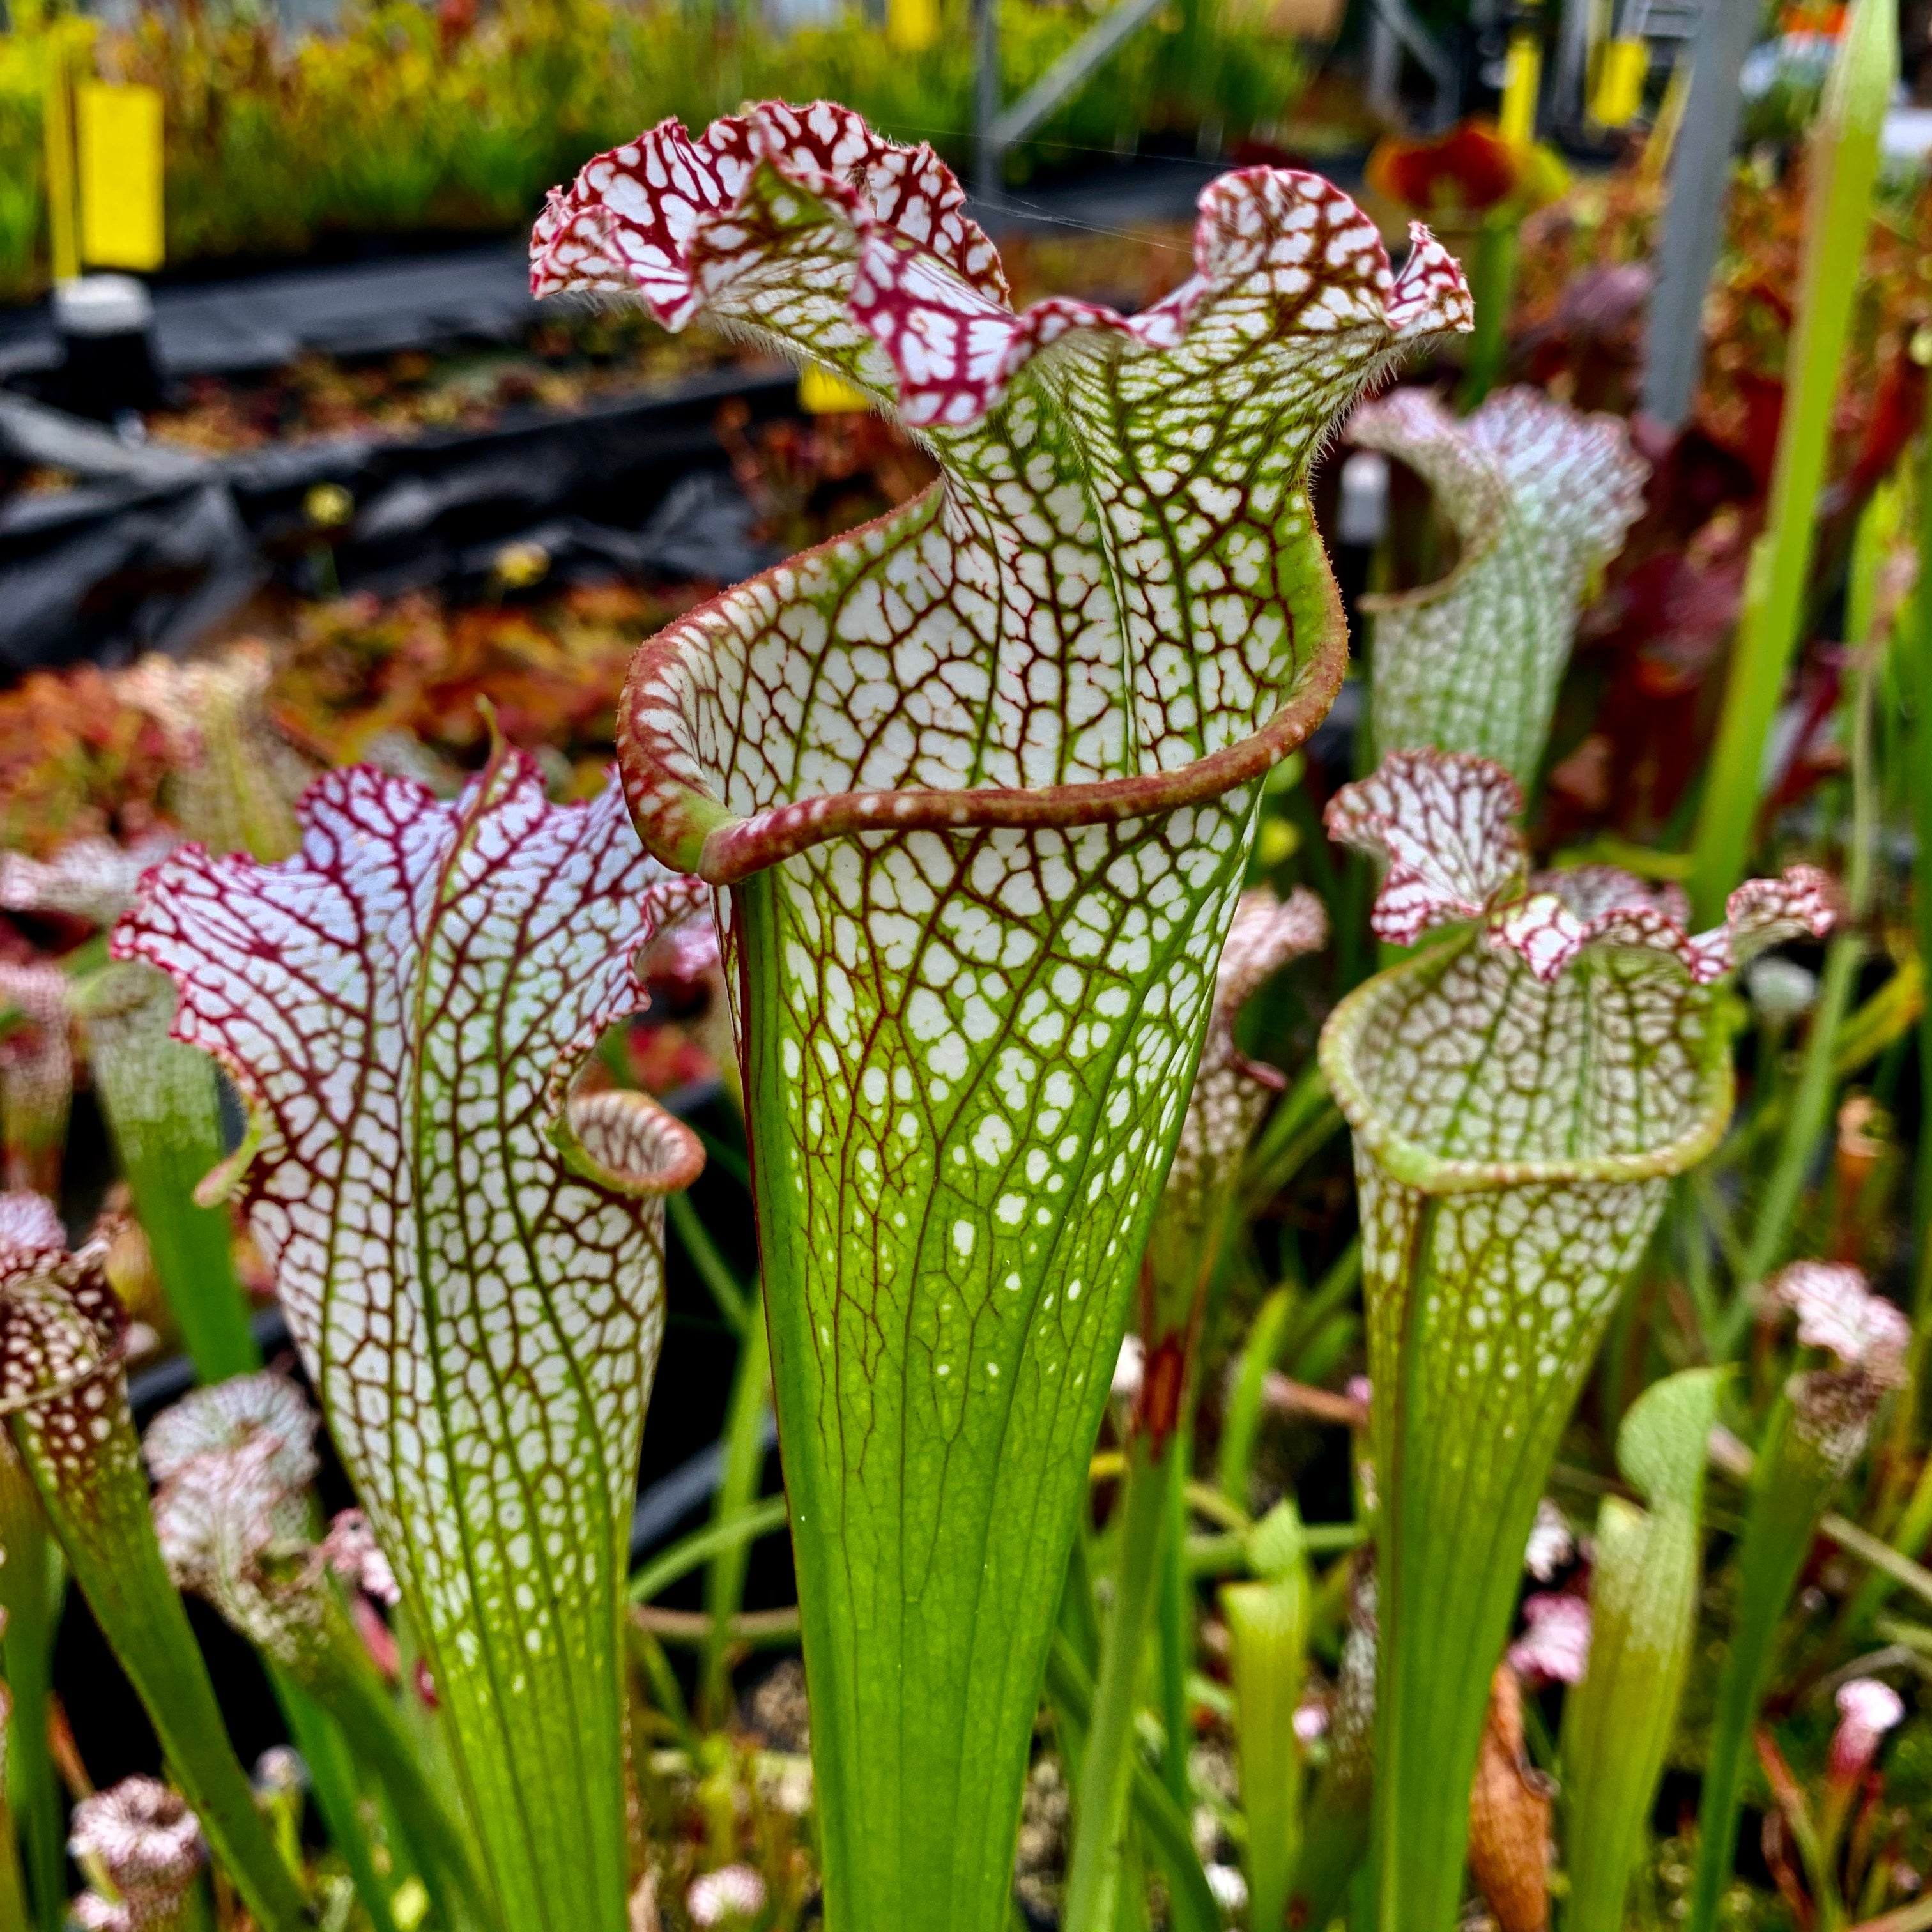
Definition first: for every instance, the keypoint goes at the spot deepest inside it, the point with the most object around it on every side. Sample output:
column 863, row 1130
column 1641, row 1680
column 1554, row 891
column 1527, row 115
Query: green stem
column 1844, row 164
column 331, row 1770
column 104, row 1527
column 1240, row 1426
column 703, row 1546
column 1169, row 1836
column 1807, row 1120
column 1329, row 1296
column 743, row 1474
column 1334, row 1844
column 1335, row 1820
column 346, row 1684
column 164, row 1109
column 1302, row 1119
column 665, row 1687
column 15, row 1914
column 1100, row 1807
column 1811, row 1103
column 1491, row 265
column 1909, row 1538
column 29, row 1592
column 1177, row 1630
column 1790, row 1486
column 1694, row 1246
column 1078, row 1621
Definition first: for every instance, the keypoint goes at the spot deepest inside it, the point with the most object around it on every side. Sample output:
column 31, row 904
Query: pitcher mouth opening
column 1413, row 1164
column 685, row 826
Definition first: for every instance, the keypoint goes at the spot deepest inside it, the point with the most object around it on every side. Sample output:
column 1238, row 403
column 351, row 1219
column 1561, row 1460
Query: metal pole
column 1700, row 175
column 986, row 91
column 1392, row 28
column 1070, row 72
column 1384, row 86
column 1572, row 62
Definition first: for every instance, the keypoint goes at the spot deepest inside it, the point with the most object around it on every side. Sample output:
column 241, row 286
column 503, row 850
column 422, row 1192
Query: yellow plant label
column 822, row 394
column 1523, row 76
column 119, row 138
column 1626, row 67
column 63, row 234
column 912, row 25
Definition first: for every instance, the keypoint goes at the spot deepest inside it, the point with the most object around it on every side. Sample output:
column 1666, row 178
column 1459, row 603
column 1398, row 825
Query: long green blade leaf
column 1647, row 1572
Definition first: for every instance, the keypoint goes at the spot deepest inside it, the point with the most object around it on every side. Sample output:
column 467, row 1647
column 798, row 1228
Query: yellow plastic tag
column 118, row 140
column 1522, row 76
column 912, row 25
column 822, row 394
column 64, row 236
column 1626, row 67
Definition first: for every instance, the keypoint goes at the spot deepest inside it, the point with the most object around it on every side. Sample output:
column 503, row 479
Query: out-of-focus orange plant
column 1581, row 294
column 77, row 759
column 357, row 671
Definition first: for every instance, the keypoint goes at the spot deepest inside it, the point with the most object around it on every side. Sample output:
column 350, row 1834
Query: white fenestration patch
column 987, row 1215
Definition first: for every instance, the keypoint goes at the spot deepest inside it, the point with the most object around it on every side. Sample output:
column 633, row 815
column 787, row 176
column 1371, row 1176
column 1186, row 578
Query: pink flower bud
column 731, row 1892
column 1867, row 1710
column 1554, row 1648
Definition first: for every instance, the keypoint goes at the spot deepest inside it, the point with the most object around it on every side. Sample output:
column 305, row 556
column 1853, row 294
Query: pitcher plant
column 469, row 1250
column 1521, row 1091
column 981, row 778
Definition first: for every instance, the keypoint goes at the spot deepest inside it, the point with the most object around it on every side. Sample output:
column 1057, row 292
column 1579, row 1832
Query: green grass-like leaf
column 1644, row 1582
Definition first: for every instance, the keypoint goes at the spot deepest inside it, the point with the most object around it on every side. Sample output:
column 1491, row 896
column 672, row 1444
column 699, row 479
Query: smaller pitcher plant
column 160, row 1098
column 1521, row 1091
column 233, row 1464
column 469, row 1250
column 1540, row 497
column 141, row 1849
column 62, row 1389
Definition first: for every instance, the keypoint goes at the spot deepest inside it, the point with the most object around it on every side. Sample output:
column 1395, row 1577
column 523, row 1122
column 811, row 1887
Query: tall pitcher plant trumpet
column 469, row 1250
column 982, row 778
column 1521, row 1091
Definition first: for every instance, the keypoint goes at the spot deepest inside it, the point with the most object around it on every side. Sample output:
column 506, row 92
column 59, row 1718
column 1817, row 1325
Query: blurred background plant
column 406, row 118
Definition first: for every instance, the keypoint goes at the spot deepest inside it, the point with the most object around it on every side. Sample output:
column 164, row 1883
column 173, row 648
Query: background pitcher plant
column 1540, row 497
column 1520, row 1092
column 470, row 1255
